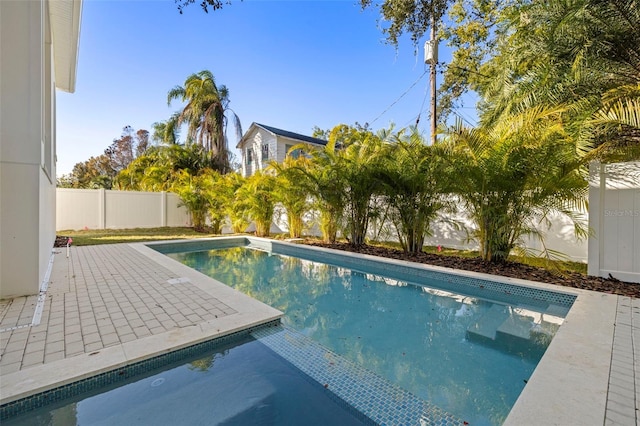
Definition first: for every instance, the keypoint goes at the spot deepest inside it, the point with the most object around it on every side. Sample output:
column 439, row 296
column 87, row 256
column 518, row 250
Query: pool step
column 486, row 328
column 511, row 332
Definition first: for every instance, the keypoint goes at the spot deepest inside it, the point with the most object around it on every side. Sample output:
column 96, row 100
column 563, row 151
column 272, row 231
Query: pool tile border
column 417, row 273
column 374, row 397
column 120, row 374
column 505, row 290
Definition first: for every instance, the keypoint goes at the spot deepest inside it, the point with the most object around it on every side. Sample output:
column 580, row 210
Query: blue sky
column 288, row 64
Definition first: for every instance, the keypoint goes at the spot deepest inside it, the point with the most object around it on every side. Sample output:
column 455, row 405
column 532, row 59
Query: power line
column 401, row 96
column 462, row 118
column 424, row 100
column 470, row 71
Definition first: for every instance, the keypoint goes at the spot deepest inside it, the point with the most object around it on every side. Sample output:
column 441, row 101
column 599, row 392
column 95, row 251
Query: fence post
column 102, row 209
column 163, row 208
column 597, row 185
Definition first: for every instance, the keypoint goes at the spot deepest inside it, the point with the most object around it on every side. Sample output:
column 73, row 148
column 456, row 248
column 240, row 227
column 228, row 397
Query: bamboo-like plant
column 506, row 175
column 236, row 213
column 217, row 201
column 358, row 161
column 291, row 192
column 256, row 198
column 318, row 173
column 195, row 195
column 414, row 185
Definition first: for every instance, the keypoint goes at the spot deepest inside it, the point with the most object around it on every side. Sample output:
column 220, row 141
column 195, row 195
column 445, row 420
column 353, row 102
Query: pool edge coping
column 249, row 313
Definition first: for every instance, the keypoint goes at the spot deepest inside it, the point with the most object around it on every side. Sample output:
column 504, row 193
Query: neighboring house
column 39, row 51
column 261, row 144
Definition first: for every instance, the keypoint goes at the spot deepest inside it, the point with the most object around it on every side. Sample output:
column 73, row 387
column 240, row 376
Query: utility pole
column 431, row 58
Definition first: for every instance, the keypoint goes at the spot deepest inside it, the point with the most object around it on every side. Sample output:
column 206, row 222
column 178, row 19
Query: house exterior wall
column 254, row 141
column 281, row 150
column 27, row 147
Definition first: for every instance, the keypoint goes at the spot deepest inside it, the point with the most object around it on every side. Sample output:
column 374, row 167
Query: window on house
column 293, row 154
column 265, row 152
column 249, row 156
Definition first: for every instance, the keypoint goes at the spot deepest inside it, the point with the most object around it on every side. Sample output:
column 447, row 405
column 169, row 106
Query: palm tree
column 581, row 55
column 320, row 176
column 159, row 167
column 217, row 201
column 414, row 184
column 166, row 132
column 256, row 198
column 358, row 161
column 522, row 168
column 236, row 213
column 291, row 193
column 195, row 193
column 205, row 114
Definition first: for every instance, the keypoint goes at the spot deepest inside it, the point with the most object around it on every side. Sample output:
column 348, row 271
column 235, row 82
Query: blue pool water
column 241, row 383
column 469, row 356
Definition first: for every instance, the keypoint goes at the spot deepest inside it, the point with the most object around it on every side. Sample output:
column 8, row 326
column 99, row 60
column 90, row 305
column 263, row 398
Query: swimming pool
column 465, row 345
column 240, row 382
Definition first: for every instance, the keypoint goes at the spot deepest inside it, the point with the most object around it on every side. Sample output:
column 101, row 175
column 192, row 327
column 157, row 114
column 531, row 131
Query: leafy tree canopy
column 100, row 171
column 204, row 4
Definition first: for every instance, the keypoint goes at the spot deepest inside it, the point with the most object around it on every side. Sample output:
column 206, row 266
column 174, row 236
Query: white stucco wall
column 26, row 209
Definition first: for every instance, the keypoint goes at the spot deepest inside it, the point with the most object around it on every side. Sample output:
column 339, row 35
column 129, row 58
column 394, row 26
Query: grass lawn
column 113, row 236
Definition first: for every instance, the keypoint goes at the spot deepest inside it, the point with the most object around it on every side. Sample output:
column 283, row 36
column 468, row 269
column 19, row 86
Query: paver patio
column 108, row 305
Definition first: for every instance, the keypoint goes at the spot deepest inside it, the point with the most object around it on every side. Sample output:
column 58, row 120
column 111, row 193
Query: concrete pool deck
column 108, row 306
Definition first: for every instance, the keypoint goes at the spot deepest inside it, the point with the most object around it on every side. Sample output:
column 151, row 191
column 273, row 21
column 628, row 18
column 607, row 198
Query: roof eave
column 244, row 137
column 65, row 17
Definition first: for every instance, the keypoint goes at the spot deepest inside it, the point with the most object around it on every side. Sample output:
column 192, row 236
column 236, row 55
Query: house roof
column 64, row 18
column 286, row 134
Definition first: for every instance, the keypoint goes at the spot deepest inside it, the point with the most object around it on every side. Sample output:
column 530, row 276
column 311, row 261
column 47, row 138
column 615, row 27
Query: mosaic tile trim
column 501, row 292
column 121, row 374
column 199, row 244
column 475, row 287
column 365, row 391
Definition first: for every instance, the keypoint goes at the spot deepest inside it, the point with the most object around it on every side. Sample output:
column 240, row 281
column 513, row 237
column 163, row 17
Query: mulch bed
column 61, row 241
column 509, row 269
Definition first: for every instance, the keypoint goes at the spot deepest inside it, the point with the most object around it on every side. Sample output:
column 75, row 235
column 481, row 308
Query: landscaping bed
column 509, row 269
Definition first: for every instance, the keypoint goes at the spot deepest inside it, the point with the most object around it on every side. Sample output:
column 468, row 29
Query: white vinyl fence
column 614, row 206
column 613, row 247
column 452, row 231
column 105, row 209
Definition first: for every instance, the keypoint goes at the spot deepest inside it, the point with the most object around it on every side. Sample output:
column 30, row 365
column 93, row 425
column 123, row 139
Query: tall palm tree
column 205, row 113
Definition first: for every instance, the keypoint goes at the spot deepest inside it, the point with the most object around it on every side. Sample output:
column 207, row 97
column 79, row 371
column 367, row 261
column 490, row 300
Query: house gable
column 261, row 144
